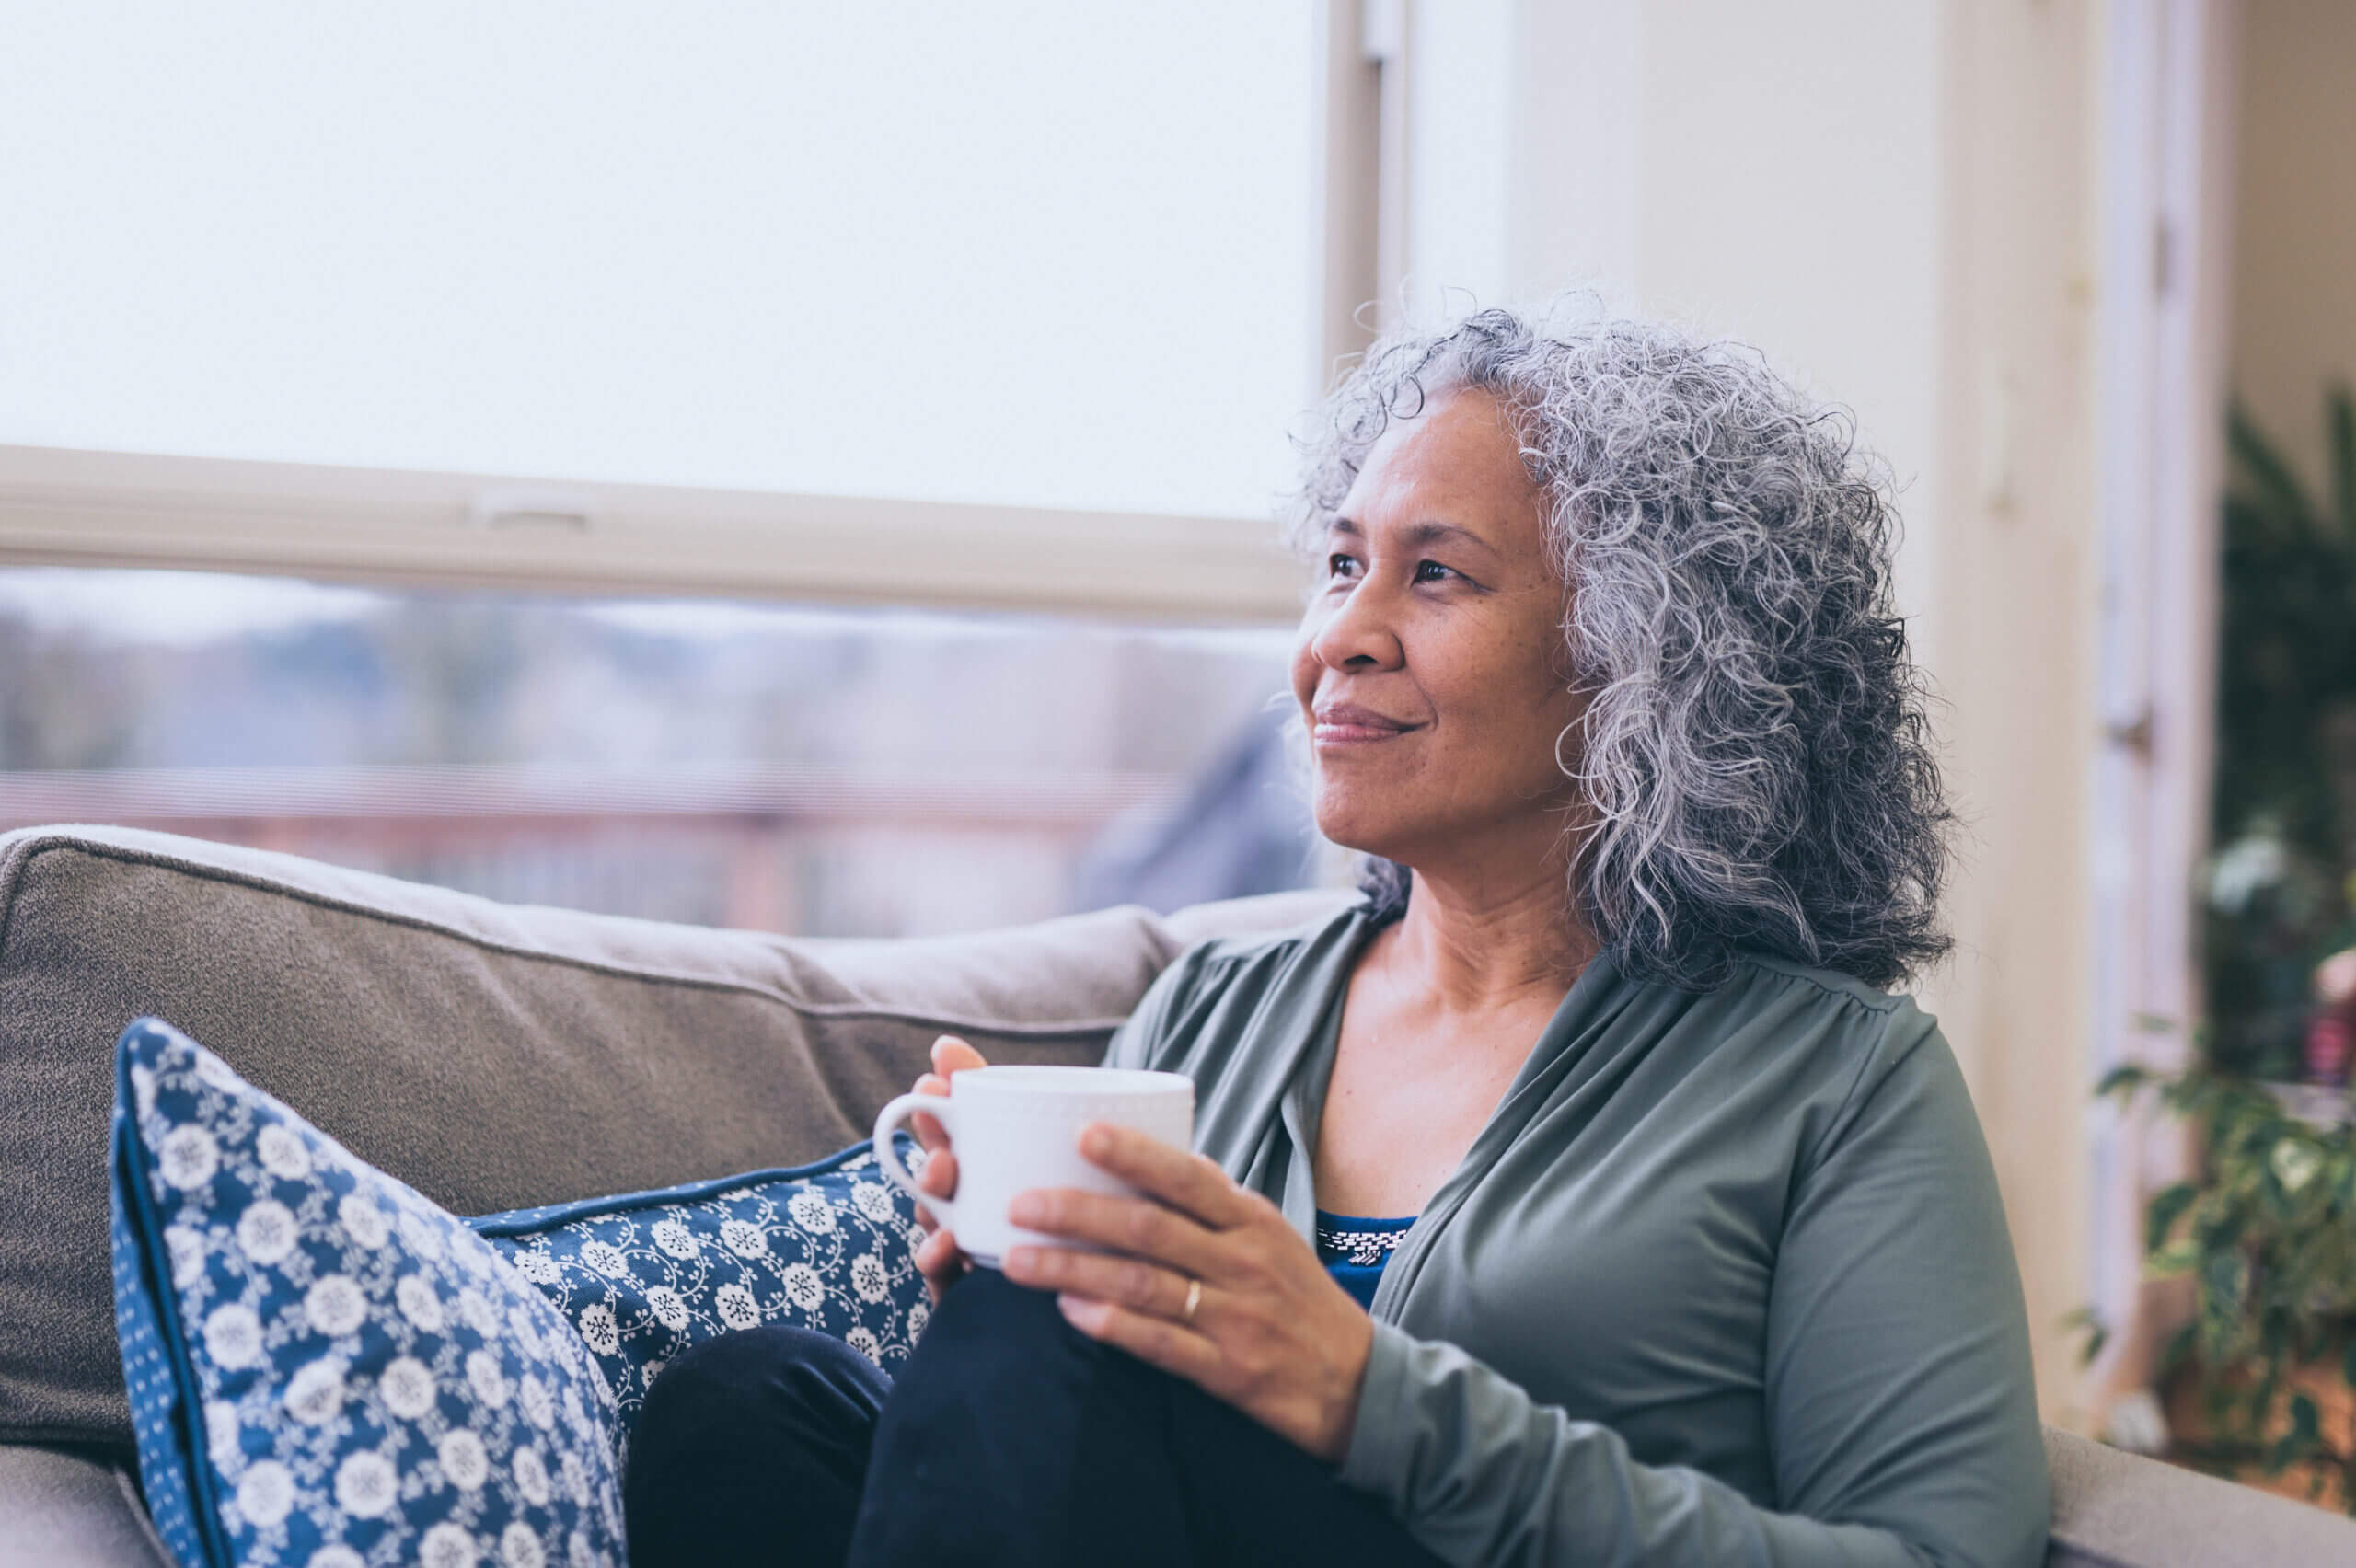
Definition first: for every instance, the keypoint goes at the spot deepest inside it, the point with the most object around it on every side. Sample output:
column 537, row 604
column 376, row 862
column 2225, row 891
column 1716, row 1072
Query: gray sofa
column 498, row 1057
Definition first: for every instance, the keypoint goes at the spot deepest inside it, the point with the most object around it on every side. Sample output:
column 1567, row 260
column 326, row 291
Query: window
column 462, row 345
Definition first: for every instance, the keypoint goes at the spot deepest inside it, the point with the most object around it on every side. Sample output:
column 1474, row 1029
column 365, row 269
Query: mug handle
column 943, row 1110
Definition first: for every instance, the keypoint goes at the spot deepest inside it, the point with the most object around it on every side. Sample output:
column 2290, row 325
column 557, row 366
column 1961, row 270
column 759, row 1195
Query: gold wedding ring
column 1194, row 1300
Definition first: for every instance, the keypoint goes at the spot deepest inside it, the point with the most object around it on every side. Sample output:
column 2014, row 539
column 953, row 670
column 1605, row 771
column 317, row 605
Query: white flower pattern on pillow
column 642, row 1278
column 597, row 1332
column 190, row 1157
column 279, row 1149
column 874, row 1201
column 363, row 1220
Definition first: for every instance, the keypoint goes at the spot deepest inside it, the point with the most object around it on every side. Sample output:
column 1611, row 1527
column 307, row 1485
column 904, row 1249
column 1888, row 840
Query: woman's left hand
column 1270, row 1332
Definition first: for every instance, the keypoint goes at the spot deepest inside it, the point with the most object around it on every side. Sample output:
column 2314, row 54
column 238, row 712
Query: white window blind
column 1043, row 254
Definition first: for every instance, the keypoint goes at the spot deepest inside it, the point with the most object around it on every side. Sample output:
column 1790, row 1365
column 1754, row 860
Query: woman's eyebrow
column 1417, row 534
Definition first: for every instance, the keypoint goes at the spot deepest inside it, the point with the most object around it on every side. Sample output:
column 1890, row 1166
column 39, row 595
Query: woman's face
column 1428, row 663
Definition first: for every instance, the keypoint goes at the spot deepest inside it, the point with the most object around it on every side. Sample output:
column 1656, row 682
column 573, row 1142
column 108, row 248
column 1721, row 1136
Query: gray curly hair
column 1754, row 753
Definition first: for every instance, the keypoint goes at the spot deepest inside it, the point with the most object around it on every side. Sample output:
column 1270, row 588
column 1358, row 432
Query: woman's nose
column 1360, row 633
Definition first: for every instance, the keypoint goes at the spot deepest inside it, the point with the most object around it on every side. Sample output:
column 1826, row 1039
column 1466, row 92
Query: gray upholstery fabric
column 2115, row 1510
column 66, row 1510
column 491, row 1055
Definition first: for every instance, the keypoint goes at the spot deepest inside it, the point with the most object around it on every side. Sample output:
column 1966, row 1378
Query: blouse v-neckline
column 1591, row 1001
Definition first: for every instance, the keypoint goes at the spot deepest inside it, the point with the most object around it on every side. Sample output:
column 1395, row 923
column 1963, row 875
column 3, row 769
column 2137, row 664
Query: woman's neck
column 1491, row 944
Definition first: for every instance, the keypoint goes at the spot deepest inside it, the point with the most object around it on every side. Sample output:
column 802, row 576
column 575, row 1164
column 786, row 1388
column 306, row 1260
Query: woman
column 1578, row 1198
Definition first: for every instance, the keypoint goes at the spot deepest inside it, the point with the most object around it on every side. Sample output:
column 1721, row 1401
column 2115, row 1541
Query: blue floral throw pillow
column 645, row 1276
column 326, row 1371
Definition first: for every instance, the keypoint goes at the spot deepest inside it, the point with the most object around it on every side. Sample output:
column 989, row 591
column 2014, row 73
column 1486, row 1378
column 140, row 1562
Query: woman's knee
column 1010, row 1434
column 1001, row 1369
column 758, row 1376
column 986, row 1308
column 749, row 1441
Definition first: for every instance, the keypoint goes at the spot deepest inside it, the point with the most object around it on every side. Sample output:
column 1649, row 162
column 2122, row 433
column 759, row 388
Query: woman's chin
column 1365, row 831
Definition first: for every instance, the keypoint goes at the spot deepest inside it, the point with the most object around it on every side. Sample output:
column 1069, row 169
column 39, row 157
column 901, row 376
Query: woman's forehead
column 1451, row 473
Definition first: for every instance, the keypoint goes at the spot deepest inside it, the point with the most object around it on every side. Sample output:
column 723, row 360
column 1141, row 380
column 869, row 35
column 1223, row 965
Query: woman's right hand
column 940, row 1259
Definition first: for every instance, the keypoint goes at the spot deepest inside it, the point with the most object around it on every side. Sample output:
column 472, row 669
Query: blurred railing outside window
column 838, row 773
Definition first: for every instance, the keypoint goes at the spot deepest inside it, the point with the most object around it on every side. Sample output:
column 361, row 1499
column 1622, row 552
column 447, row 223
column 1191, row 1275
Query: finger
column 939, row 1254
column 1190, row 1183
column 929, row 1130
column 1167, row 1345
column 940, row 1261
column 1128, row 1282
column 950, row 1055
column 939, row 1178
column 1137, row 1227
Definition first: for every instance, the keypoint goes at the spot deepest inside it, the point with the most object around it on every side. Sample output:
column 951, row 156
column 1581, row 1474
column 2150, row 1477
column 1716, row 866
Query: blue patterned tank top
column 1354, row 1249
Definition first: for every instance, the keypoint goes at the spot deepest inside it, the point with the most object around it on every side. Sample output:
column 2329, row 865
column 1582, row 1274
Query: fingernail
column 1095, row 1141
column 1071, row 1306
column 1026, row 1209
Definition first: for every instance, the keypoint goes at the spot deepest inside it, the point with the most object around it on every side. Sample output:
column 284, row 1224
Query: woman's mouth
column 1346, row 724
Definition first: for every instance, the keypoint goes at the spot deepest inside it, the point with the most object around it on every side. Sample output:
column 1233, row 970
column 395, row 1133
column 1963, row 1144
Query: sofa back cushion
column 490, row 1055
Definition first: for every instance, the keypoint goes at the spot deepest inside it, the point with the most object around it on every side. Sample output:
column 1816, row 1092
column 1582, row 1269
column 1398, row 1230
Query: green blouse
column 1725, row 1279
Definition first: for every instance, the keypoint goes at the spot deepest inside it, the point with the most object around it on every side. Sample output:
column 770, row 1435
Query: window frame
column 64, row 507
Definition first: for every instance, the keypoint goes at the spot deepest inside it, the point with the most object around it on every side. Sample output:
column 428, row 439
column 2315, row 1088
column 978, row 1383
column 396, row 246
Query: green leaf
column 2222, row 1230
column 2304, row 1425
column 2224, row 1285
column 2088, row 1322
column 2122, row 1080
column 2167, row 1206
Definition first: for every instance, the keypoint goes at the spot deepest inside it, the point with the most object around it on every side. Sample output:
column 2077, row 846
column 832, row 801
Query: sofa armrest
column 2116, row 1510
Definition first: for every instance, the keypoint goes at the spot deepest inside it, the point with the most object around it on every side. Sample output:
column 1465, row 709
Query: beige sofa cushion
column 494, row 1056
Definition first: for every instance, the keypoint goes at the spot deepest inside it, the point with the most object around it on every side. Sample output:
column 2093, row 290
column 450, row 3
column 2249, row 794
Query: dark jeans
column 1010, row 1438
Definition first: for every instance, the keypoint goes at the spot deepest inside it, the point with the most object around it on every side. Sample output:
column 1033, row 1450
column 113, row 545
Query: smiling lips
column 1346, row 724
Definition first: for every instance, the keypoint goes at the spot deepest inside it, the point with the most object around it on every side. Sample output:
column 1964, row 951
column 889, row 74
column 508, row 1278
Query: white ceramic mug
column 1016, row 1128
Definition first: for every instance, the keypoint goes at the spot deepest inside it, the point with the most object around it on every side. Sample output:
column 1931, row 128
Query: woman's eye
column 1341, row 566
column 1432, row 571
